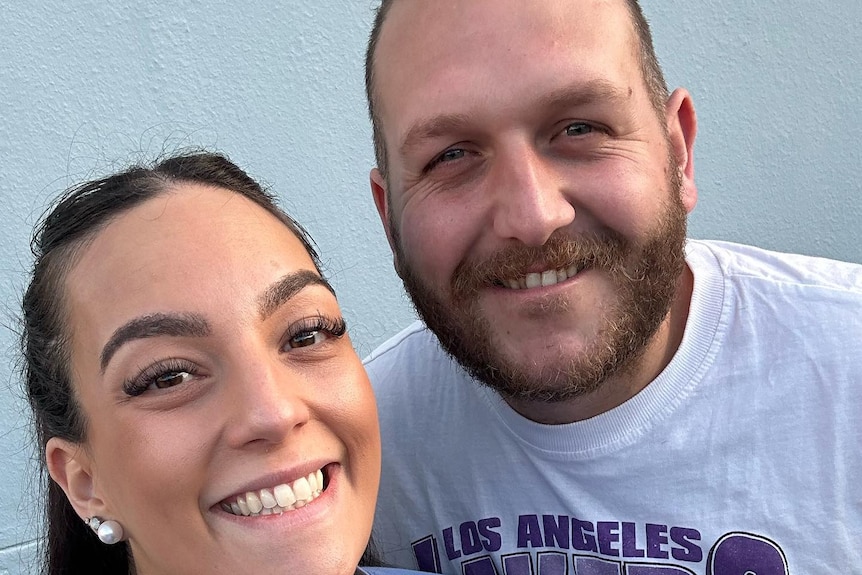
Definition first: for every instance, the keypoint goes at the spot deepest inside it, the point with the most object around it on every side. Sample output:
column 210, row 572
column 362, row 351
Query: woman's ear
column 69, row 465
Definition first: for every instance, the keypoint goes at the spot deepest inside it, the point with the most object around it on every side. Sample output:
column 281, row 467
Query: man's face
column 533, row 198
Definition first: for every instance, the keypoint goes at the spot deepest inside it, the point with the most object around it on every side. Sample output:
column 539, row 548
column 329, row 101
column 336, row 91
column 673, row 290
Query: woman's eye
column 578, row 129
column 306, row 339
column 313, row 331
column 162, row 375
column 171, row 379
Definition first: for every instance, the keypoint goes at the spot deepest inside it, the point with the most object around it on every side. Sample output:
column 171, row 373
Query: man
column 592, row 393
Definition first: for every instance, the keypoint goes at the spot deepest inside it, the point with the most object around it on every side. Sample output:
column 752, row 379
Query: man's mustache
column 607, row 250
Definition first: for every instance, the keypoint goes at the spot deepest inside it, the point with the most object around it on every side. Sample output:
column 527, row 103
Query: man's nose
column 529, row 203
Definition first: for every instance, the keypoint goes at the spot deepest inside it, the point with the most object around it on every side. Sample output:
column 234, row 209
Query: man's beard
column 644, row 275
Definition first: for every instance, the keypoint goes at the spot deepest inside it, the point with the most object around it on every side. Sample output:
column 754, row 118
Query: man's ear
column 681, row 129
column 70, row 467
column 381, row 201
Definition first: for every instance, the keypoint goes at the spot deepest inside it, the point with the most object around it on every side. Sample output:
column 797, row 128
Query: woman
column 200, row 406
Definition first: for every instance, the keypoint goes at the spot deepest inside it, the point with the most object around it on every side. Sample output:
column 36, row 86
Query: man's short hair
column 650, row 68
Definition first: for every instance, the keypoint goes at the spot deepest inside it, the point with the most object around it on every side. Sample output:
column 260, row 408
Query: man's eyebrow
column 154, row 325
column 287, row 287
column 581, row 94
column 431, row 128
column 592, row 92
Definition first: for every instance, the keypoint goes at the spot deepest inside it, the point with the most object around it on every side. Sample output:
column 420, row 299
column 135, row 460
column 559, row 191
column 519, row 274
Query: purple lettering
column 529, row 532
column 656, row 536
column 556, row 531
column 470, row 542
column 492, row 539
column 686, row 538
column 427, row 555
column 449, row 543
column 608, row 532
column 744, row 553
column 479, row 566
column 582, row 537
column 630, row 541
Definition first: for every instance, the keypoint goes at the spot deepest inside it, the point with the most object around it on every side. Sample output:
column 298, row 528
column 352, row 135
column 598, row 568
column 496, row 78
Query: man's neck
column 628, row 382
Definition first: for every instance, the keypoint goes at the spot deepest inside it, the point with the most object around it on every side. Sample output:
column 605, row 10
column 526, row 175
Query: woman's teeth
column 547, row 278
column 278, row 499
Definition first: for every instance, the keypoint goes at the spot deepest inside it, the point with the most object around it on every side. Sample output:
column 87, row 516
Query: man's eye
column 453, row 154
column 306, row 339
column 578, row 129
column 449, row 155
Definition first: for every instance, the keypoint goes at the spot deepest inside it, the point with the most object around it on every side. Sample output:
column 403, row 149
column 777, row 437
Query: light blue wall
column 87, row 86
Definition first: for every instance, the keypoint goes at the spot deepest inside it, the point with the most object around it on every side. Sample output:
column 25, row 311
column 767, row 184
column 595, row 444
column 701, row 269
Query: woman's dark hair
column 80, row 213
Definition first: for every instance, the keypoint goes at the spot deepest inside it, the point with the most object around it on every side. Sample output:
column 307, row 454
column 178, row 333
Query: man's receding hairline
column 644, row 53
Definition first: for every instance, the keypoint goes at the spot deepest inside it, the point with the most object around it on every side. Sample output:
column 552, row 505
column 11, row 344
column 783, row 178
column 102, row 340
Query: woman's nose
column 266, row 403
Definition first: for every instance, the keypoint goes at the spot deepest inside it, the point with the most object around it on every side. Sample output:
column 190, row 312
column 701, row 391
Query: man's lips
column 544, row 278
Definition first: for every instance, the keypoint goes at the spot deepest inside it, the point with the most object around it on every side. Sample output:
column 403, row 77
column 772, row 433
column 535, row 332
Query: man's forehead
column 414, row 32
column 432, row 40
column 416, row 18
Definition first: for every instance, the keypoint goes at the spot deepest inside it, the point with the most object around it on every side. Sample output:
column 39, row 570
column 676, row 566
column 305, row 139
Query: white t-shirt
column 742, row 457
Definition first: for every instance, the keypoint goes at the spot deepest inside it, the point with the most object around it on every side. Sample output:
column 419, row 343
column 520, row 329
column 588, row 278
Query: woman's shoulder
column 385, row 571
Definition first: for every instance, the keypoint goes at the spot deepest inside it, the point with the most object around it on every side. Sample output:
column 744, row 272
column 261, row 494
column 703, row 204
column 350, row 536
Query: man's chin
column 530, row 368
column 535, row 353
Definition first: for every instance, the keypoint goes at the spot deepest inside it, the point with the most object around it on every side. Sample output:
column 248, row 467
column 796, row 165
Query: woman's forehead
column 194, row 248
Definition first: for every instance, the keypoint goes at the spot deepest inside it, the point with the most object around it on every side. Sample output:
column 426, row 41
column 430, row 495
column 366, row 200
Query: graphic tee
column 742, row 457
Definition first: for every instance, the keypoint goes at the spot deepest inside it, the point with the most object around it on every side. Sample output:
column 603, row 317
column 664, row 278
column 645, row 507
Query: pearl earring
column 109, row 531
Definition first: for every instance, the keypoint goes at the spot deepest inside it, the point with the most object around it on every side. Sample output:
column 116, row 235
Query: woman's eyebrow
column 154, row 325
column 194, row 325
column 287, row 287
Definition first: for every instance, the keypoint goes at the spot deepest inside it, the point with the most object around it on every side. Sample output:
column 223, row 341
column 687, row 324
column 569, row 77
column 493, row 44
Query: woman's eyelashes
column 314, row 330
column 306, row 333
column 161, row 375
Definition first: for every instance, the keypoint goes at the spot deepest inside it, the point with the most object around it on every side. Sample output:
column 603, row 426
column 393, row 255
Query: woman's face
column 209, row 360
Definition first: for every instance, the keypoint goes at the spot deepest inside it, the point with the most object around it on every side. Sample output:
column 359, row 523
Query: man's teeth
column 278, row 499
column 547, row 278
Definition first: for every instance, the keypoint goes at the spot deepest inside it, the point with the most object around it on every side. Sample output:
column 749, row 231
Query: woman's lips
column 278, row 498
